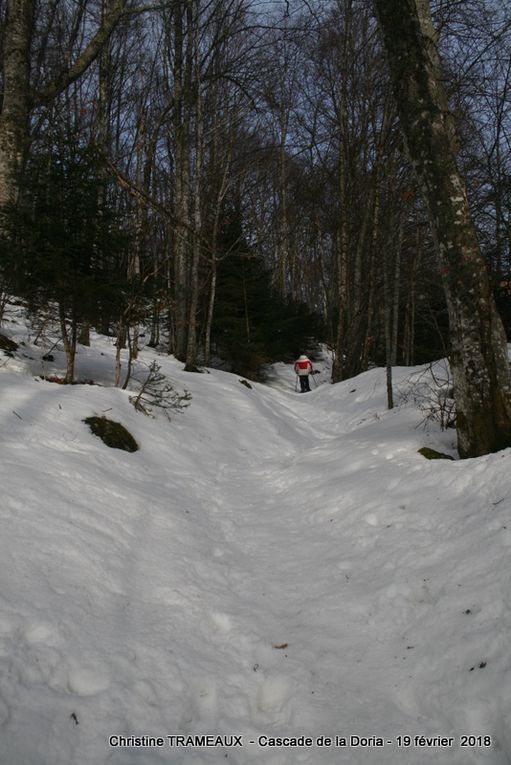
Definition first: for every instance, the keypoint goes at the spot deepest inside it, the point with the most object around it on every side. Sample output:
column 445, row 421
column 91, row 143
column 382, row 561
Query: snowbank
column 268, row 565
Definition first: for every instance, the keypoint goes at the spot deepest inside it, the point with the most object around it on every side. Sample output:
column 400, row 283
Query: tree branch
column 89, row 55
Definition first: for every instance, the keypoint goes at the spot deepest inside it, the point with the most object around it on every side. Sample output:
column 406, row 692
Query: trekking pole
column 314, row 378
column 296, row 384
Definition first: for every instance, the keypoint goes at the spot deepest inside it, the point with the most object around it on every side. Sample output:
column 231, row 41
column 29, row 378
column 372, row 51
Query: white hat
column 303, row 358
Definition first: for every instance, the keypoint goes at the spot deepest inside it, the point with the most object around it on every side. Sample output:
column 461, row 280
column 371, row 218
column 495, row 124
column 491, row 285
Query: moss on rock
column 112, row 433
column 7, row 345
column 432, row 454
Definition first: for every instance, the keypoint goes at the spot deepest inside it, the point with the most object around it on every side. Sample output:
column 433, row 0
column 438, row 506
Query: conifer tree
column 65, row 249
column 253, row 324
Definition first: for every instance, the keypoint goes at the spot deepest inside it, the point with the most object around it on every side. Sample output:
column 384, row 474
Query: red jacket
column 303, row 367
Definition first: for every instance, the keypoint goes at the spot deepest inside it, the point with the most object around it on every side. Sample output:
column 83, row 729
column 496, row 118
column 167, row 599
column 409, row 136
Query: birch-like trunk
column 283, row 256
column 478, row 343
column 342, row 246
column 69, row 343
column 16, row 98
column 395, row 293
column 370, row 309
column 409, row 324
column 222, row 191
column 182, row 81
column 191, row 346
column 387, row 310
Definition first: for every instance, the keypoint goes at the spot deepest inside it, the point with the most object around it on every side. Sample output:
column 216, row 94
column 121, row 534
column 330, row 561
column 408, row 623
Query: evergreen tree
column 253, row 325
column 67, row 248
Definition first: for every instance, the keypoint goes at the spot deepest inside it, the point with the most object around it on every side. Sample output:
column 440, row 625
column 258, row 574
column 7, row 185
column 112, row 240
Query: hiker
column 303, row 369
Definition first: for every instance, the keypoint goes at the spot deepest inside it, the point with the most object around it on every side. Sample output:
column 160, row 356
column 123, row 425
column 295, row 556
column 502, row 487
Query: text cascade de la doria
column 289, row 742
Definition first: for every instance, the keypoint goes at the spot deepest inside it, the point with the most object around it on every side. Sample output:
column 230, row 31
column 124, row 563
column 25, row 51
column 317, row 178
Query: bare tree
column 478, row 343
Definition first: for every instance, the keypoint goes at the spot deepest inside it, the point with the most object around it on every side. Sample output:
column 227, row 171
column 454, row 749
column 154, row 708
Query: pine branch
column 157, row 391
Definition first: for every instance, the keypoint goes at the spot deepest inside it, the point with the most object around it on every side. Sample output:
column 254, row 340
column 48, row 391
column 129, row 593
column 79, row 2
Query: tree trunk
column 478, row 343
column 71, row 73
column 191, row 346
column 182, row 179
column 342, row 267
column 154, row 340
column 119, row 345
column 409, row 324
column 18, row 100
column 395, row 292
column 211, row 308
column 17, row 35
column 371, row 276
column 387, row 310
column 84, row 334
column 283, row 247
column 69, row 342
column 342, row 249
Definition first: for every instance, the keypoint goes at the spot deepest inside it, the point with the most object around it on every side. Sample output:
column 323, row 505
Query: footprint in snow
column 4, row 712
column 8, row 624
column 204, row 699
column 506, row 538
column 272, row 694
column 83, row 681
column 40, row 632
column 218, row 622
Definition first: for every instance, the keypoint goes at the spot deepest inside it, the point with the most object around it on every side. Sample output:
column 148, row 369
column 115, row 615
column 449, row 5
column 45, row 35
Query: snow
column 267, row 564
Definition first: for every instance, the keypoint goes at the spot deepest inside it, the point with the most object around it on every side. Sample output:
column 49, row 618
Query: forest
column 228, row 180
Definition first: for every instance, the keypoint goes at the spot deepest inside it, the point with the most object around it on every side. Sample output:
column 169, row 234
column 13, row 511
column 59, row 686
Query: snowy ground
column 268, row 564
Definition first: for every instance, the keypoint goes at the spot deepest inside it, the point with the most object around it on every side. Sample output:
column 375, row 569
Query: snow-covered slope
column 268, row 564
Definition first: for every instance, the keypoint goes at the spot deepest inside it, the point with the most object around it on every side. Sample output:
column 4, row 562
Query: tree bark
column 191, row 345
column 18, row 98
column 387, row 310
column 69, row 342
column 371, row 276
column 182, row 77
column 478, row 343
column 283, row 247
column 338, row 366
column 17, row 36
column 395, row 292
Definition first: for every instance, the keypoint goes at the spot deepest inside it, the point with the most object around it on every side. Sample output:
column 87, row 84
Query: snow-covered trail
column 269, row 564
column 277, row 614
column 307, row 611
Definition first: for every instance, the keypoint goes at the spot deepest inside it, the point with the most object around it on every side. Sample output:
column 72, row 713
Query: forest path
column 268, row 564
column 302, row 606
